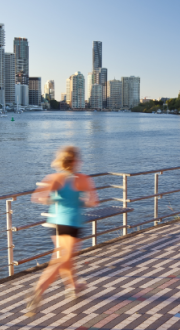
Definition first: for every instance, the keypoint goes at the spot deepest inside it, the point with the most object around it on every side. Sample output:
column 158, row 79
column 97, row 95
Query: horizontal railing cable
column 4, row 213
column 3, row 231
column 151, row 196
column 3, row 257
column 153, row 171
column 6, row 248
column 155, row 219
column 5, row 266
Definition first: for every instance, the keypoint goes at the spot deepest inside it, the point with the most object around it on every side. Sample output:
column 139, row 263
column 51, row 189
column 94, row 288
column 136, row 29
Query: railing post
column 155, row 198
column 94, row 232
column 9, row 237
column 124, row 204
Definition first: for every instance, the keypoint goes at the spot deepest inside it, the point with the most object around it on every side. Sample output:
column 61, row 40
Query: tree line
column 151, row 106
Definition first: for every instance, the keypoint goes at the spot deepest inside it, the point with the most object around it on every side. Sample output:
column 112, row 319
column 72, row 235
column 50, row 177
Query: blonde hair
column 65, row 158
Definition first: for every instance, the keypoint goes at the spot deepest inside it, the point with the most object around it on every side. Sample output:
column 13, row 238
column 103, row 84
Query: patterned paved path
column 132, row 284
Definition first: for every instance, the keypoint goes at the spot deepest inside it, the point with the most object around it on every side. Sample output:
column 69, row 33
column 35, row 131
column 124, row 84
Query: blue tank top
column 66, row 207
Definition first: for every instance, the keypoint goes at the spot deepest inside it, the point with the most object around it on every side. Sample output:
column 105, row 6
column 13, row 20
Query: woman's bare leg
column 67, row 271
column 64, row 263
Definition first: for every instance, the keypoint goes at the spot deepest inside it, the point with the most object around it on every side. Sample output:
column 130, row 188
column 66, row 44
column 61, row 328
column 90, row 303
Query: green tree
column 171, row 104
column 54, row 104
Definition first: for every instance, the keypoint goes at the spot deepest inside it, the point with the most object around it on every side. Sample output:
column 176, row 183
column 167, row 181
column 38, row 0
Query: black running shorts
column 65, row 230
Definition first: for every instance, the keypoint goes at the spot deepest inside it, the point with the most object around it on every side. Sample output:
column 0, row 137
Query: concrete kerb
column 44, row 265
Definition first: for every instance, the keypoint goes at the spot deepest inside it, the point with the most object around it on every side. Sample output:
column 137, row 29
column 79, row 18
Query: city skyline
column 136, row 41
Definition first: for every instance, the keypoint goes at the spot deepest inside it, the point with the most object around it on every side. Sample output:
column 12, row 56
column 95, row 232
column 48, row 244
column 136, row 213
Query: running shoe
column 80, row 286
column 33, row 303
column 70, row 293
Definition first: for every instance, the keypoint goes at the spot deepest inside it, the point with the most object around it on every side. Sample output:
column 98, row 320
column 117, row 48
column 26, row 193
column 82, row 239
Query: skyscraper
column 130, row 91
column 90, row 83
column 68, row 96
column 114, row 94
column 99, row 74
column 125, row 91
column 9, row 77
column 22, row 94
column 134, row 91
column 96, row 96
column 103, row 82
column 75, row 91
column 34, row 90
column 49, row 89
column 2, row 64
column 21, row 50
column 97, row 55
column 63, row 96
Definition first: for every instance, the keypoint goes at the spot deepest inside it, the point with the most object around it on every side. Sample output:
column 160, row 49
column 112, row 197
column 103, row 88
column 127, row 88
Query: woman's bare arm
column 50, row 183
column 87, row 185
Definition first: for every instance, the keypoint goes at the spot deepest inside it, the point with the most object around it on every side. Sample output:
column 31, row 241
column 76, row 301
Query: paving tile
column 95, row 320
column 175, row 326
column 9, row 318
column 115, row 321
column 136, row 322
column 125, row 308
column 160, row 321
column 130, row 264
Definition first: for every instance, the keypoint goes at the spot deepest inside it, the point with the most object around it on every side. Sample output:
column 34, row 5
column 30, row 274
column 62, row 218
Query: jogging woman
column 63, row 190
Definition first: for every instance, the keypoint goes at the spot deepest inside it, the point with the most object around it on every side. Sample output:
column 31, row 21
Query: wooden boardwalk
column 133, row 284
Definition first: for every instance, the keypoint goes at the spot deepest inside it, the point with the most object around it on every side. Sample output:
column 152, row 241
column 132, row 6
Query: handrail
column 15, row 195
column 154, row 171
column 151, row 196
column 157, row 218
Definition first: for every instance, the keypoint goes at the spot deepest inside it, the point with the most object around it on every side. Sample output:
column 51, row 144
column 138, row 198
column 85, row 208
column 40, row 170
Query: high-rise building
column 21, row 50
column 114, row 94
column 103, row 82
column 131, row 91
column 63, row 96
column 96, row 96
column 68, row 95
column 76, row 86
column 99, row 74
column 21, row 94
column 49, row 89
column 2, row 64
column 9, row 78
column 90, row 83
column 134, row 91
column 125, row 91
column 35, row 91
column 97, row 55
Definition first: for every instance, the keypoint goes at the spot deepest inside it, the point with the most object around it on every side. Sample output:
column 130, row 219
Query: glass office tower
column 103, row 81
column 97, row 55
column 2, row 63
column 100, row 77
column 35, row 91
column 21, row 50
column 9, row 78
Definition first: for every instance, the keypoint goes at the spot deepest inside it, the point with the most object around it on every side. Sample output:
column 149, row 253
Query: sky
column 139, row 38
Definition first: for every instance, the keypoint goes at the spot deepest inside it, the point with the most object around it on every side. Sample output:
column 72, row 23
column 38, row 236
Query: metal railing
column 156, row 219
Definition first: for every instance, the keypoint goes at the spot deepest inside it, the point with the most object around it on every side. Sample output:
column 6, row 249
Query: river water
column 110, row 142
